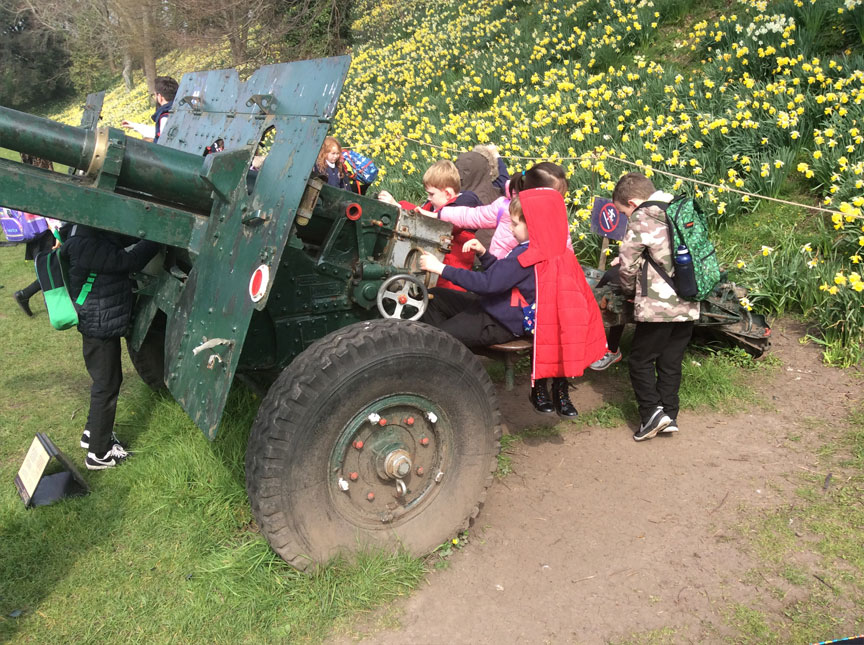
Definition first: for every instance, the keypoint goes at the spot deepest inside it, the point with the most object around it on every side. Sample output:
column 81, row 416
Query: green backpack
column 51, row 271
column 688, row 226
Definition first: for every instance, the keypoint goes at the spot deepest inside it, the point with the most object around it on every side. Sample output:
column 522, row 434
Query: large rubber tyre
column 149, row 361
column 304, row 446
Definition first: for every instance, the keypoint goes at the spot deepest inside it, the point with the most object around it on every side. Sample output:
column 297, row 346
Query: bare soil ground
column 595, row 537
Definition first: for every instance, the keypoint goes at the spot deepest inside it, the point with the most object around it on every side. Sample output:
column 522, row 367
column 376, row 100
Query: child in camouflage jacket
column 664, row 322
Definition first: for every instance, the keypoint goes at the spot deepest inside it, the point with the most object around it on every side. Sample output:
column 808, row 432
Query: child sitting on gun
column 538, row 288
column 444, row 188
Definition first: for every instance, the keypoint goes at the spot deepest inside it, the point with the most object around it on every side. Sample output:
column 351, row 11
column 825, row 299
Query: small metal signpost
column 38, row 489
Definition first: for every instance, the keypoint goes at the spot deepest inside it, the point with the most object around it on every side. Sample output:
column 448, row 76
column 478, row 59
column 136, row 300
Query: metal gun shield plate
column 215, row 304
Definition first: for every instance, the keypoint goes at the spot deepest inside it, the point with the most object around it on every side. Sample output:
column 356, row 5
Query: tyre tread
column 305, row 378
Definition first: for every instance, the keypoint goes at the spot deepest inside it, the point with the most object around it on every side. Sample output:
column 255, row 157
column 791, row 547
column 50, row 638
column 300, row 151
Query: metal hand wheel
column 405, row 292
column 412, row 263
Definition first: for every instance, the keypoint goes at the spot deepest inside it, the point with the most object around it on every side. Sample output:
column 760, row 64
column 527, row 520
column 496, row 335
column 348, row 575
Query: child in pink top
column 497, row 214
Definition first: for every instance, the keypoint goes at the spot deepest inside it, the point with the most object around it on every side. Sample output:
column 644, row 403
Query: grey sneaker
column 655, row 423
column 609, row 359
column 672, row 427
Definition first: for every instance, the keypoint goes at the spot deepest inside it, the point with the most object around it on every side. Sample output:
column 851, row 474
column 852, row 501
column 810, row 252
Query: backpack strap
column 85, row 289
column 660, row 270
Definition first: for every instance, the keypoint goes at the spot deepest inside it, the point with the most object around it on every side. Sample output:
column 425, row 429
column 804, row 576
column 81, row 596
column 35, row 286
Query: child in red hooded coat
column 538, row 288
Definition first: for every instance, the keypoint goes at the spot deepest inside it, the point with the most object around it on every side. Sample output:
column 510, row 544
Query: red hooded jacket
column 569, row 333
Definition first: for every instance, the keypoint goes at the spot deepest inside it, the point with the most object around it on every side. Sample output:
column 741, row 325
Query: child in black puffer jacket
column 101, row 263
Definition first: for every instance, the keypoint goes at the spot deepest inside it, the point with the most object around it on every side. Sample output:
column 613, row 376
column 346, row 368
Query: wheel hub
column 397, row 464
column 389, row 460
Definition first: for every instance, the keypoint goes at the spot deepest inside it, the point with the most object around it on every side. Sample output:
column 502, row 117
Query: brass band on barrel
column 99, row 150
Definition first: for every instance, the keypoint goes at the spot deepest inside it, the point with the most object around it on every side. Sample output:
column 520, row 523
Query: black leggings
column 31, row 290
column 460, row 314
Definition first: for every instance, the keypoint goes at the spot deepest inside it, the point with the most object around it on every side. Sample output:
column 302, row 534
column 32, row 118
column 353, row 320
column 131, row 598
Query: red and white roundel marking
column 258, row 282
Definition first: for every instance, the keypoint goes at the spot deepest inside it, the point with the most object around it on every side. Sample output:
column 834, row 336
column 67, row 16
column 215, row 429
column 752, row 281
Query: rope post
column 601, row 265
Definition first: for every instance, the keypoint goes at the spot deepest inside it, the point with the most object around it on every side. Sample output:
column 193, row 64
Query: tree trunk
column 238, row 31
column 148, row 57
column 237, row 43
column 127, row 71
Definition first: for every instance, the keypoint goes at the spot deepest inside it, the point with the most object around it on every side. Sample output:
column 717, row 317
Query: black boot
column 539, row 397
column 23, row 302
column 561, row 398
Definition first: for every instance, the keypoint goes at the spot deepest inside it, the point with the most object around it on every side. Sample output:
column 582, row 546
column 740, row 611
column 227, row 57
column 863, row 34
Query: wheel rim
column 369, row 483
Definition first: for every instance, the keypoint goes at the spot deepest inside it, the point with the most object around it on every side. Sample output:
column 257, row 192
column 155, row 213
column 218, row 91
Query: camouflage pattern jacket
column 655, row 300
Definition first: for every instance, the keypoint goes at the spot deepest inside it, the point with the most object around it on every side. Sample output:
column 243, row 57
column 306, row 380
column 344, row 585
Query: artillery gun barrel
column 167, row 174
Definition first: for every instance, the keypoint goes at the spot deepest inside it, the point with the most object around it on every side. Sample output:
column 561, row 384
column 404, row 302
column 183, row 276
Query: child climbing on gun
column 537, row 288
column 496, row 214
column 444, row 187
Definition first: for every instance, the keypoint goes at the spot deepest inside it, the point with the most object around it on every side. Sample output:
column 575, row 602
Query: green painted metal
column 205, row 336
column 402, row 421
column 92, row 111
column 73, row 199
column 169, row 175
column 323, row 253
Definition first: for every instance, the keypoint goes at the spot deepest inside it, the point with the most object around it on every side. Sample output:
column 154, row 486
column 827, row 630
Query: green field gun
column 373, row 429
column 722, row 315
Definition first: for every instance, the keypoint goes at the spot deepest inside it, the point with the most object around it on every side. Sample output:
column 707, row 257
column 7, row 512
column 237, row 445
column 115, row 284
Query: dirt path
column 595, row 537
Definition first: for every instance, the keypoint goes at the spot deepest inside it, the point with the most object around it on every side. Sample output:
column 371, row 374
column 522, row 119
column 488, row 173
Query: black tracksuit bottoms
column 460, row 314
column 655, row 365
column 102, row 358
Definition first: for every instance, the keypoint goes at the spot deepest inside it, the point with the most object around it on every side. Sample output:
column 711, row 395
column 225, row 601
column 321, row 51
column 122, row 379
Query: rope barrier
column 605, row 155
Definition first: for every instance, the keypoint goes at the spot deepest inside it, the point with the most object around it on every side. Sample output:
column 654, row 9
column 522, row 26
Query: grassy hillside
column 762, row 97
column 757, row 96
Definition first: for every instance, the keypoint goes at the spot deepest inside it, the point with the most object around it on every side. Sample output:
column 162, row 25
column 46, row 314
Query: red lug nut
column 410, row 421
column 382, row 422
column 420, row 470
column 370, row 496
column 424, row 441
column 402, row 299
column 353, row 477
column 358, row 444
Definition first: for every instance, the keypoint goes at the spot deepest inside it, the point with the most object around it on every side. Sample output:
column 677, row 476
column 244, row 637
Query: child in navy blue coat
column 492, row 310
column 536, row 289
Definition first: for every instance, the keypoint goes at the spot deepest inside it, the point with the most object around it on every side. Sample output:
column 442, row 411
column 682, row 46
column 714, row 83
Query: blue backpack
column 359, row 168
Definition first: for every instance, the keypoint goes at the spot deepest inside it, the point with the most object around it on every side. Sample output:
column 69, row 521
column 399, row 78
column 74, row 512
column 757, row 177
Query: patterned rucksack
column 688, row 226
column 359, row 168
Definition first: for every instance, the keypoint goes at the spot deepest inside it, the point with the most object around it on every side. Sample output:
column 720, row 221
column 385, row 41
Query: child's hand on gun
column 430, row 263
column 387, row 198
column 474, row 245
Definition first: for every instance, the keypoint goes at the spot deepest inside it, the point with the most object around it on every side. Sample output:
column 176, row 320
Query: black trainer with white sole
column 672, row 427
column 85, row 441
column 655, row 423
column 114, row 457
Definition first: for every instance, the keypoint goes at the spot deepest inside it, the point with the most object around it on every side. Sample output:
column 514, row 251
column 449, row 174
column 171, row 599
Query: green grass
column 653, row 637
column 163, row 549
column 5, row 153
